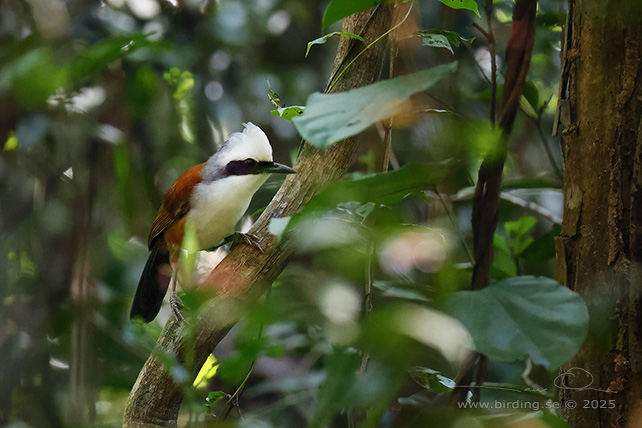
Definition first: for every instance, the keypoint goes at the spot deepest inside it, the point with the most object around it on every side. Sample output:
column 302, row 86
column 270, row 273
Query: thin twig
column 492, row 47
column 549, row 154
column 481, row 70
column 234, row 398
column 460, row 233
column 532, row 206
column 510, row 197
column 375, row 41
column 370, row 252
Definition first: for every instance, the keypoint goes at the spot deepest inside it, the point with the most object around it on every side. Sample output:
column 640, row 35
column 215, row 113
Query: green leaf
column 384, row 188
column 274, row 97
column 523, row 317
column 437, row 41
column 33, row 76
column 554, row 421
column 503, row 264
column 462, row 4
column 288, row 112
column 189, row 248
column 388, row 290
column 518, row 234
column 182, row 83
column 543, row 248
column 215, row 396
column 11, row 143
column 99, row 55
column 531, row 93
column 442, row 39
column 431, row 380
column 339, row 9
column 207, row 372
column 323, row 39
column 329, row 118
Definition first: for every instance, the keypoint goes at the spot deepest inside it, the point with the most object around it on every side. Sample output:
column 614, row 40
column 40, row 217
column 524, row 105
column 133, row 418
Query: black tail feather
column 152, row 286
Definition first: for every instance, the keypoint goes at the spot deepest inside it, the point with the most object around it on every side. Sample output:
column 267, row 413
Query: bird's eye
column 249, row 162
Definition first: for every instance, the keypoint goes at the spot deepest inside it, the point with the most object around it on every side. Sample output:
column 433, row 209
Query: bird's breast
column 217, row 206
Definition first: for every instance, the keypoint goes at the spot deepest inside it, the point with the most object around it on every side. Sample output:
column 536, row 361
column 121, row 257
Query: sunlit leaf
column 11, row 143
column 274, row 97
column 288, row 112
column 323, row 39
column 523, row 317
column 462, row 4
column 189, row 248
column 214, row 396
column 329, row 118
column 182, row 83
column 208, row 370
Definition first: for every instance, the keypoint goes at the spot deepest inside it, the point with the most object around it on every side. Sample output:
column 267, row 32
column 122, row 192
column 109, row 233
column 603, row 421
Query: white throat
column 217, row 206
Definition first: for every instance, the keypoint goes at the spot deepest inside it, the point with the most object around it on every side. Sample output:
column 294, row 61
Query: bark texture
column 600, row 247
column 245, row 274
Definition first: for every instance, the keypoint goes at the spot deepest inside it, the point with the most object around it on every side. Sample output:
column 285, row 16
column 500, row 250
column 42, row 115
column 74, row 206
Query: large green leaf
column 329, row 118
column 522, row 317
column 462, row 4
column 384, row 188
column 339, row 9
column 96, row 57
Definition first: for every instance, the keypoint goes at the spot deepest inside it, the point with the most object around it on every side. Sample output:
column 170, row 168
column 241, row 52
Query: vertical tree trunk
column 600, row 247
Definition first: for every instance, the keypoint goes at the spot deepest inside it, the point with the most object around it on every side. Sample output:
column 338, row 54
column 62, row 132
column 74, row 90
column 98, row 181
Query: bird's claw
column 177, row 305
column 249, row 239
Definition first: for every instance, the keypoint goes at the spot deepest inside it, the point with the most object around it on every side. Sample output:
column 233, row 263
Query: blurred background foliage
column 105, row 103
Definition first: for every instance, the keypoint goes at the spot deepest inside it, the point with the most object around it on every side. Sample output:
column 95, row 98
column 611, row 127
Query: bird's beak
column 274, row 168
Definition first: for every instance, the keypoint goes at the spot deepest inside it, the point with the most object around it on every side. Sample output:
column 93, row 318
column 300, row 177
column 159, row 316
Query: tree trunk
column 600, row 247
column 245, row 274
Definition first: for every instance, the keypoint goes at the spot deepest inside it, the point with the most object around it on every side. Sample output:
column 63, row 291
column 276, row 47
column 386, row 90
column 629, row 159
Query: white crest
column 251, row 143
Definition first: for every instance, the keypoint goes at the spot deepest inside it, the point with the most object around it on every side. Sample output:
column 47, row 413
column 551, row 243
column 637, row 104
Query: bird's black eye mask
column 251, row 166
column 241, row 167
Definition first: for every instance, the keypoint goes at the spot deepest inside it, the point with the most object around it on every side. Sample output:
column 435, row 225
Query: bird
column 213, row 196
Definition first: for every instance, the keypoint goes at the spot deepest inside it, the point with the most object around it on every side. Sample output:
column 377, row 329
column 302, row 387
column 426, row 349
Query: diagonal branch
column 245, row 274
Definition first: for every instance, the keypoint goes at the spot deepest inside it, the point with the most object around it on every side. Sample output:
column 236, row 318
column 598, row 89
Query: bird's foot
column 249, row 239
column 177, row 305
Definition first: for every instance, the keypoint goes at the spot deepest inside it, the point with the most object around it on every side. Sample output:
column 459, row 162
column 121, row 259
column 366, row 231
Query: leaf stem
column 375, row 41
